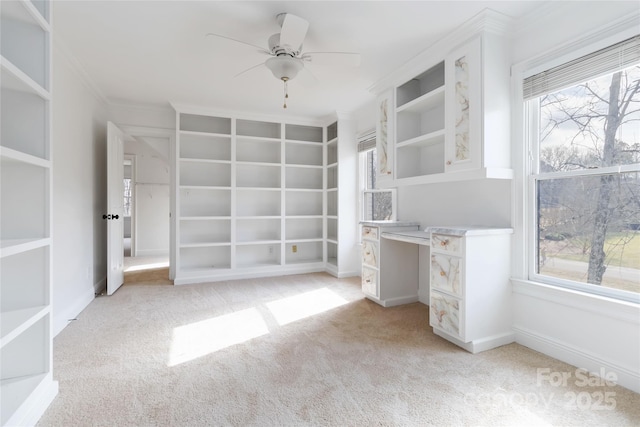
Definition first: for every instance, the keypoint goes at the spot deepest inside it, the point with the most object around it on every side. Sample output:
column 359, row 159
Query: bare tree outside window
column 588, row 185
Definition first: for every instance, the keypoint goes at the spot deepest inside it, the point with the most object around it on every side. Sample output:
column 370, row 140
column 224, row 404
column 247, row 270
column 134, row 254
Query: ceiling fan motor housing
column 277, row 50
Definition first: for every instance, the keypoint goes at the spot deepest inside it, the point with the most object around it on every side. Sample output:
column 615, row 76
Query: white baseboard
column 62, row 316
column 577, row 357
column 35, row 405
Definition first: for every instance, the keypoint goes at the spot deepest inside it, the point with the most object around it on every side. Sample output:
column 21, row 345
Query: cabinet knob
column 442, row 273
column 448, row 162
column 444, row 242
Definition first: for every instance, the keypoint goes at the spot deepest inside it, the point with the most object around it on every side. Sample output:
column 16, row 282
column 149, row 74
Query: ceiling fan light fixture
column 284, row 67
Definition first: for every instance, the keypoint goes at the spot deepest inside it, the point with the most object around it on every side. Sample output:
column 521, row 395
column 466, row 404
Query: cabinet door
column 445, row 314
column 370, row 253
column 370, row 282
column 463, row 68
column 446, row 273
column 385, row 132
column 370, row 233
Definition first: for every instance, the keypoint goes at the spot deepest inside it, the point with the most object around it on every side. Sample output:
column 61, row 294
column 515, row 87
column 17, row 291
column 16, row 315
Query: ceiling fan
column 285, row 51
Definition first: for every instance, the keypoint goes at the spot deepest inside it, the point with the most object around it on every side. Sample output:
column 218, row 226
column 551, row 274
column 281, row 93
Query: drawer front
column 370, row 282
column 446, row 273
column 370, row 233
column 370, row 253
column 445, row 243
column 445, row 313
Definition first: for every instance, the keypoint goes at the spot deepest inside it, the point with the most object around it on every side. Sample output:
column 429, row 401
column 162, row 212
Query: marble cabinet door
column 370, row 282
column 444, row 313
column 385, row 134
column 445, row 273
column 370, row 253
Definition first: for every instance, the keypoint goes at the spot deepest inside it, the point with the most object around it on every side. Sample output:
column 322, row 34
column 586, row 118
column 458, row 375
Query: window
column 377, row 204
column 584, row 184
column 127, row 196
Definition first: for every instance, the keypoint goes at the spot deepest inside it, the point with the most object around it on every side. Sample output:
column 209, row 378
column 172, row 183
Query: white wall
column 79, row 192
column 595, row 333
column 151, row 198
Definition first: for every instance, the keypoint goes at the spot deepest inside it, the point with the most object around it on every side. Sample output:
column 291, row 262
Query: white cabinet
column 451, row 121
column 389, row 267
column 470, row 293
column 26, row 382
column 250, row 197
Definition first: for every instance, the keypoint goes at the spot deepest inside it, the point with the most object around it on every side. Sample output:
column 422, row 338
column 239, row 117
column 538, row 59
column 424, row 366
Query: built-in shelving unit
column 420, row 124
column 26, row 382
column 250, row 197
column 332, row 196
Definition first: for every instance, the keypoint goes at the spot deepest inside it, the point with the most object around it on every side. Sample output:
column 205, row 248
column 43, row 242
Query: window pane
column 591, row 125
column 378, row 206
column 589, row 230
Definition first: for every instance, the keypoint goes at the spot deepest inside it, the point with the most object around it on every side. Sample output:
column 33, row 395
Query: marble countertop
column 390, row 223
column 467, row 231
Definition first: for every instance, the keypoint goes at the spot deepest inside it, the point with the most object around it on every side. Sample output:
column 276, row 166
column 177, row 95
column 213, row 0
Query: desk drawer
column 445, row 313
column 445, row 243
column 370, row 253
column 370, row 233
column 370, row 282
column 446, row 272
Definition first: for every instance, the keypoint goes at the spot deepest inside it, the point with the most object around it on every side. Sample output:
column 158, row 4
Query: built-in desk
column 463, row 273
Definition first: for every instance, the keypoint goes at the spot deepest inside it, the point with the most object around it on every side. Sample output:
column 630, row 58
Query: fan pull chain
column 286, row 91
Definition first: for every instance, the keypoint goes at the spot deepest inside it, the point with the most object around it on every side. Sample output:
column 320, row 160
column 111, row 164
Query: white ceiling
column 153, row 53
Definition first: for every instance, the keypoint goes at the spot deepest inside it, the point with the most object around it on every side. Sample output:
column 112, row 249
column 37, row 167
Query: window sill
column 597, row 304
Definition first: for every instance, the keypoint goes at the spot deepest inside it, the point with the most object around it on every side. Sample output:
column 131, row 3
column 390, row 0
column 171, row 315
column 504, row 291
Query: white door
column 115, row 208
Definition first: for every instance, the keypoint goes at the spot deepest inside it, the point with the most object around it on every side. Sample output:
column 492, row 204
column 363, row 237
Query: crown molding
column 487, row 21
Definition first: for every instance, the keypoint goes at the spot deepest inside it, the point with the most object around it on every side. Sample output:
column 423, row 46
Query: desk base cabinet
column 389, row 267
column 470, row 295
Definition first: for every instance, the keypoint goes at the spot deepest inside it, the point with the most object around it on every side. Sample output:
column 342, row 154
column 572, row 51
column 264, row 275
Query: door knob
column 109, row 216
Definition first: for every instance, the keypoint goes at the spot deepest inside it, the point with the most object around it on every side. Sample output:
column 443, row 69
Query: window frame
column 526, row 205
column 363, row 189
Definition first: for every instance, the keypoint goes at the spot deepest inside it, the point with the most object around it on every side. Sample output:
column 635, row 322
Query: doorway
column 147, row 196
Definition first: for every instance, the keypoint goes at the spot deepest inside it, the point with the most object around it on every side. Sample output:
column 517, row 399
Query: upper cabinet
column 445, row 116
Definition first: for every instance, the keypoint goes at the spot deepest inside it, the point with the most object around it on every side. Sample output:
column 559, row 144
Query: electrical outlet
column 294, row 248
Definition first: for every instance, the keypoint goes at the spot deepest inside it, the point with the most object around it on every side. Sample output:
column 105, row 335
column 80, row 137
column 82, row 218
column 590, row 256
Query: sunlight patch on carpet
column 298, row 307
column 150, row 266
column 201, row 338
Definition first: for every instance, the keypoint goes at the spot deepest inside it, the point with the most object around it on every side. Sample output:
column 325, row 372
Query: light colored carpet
column 296, row 351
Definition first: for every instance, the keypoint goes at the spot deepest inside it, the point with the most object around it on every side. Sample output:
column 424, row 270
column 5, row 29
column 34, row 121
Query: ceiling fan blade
column 335, row 59
column 248, row 69
column 294, row 30
column 260, row 49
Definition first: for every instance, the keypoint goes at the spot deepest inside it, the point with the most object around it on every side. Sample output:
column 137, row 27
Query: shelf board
column 14, row 78
column 208, row 161
column 204, row 187
column 304, row 216
column 332, row 189
column 251, row 163
column 258, row 264
column 15, row 322
column 332, row 141
column 302, row 142
column 303, row 166
column 24, row 11
column 10, row 247
column 423, row 103
column 240, row 188
column 317, row 239
column 308, row 190
column 333, row 240
column 9, row 154
column 204, row 244
column 425, row 140
column 15, row 392
column 469, row 175
column 198, row 133
column 204, row 218
column 259, row 242
column 304, row 261
column 258, row 138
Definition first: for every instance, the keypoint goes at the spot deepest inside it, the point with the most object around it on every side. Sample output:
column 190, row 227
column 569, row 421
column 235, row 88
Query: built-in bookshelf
column 331, row 186
column 26, row 381
column 250, row 197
